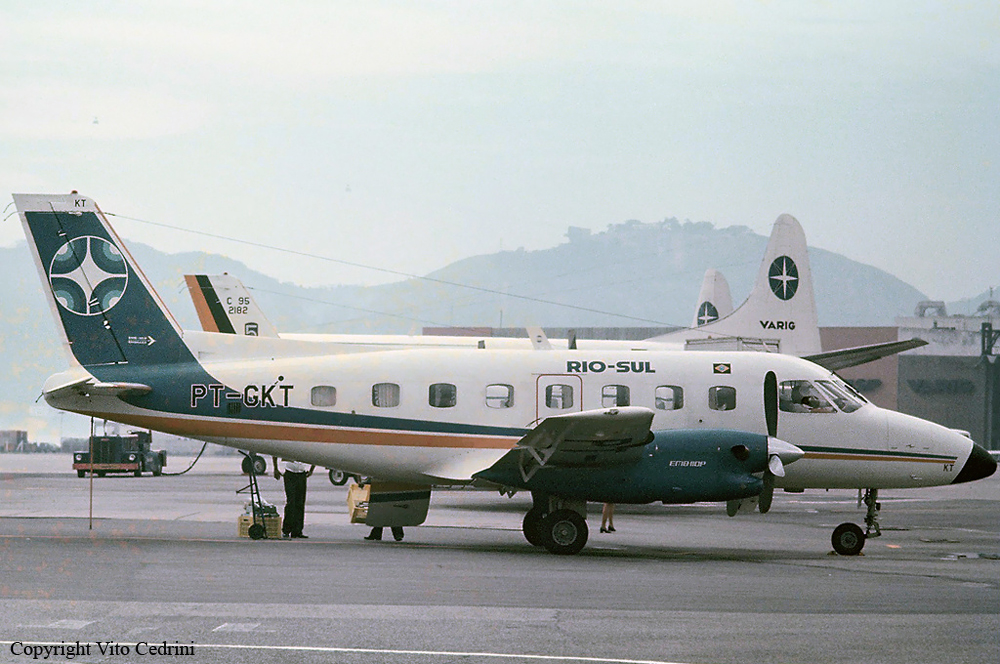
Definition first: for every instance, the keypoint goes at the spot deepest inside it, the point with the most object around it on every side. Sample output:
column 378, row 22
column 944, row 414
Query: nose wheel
column 848, row 538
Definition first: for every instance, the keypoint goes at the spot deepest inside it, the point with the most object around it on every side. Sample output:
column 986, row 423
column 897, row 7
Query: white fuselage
column 373, row 413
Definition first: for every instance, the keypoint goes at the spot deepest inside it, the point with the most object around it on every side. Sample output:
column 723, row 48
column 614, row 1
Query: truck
column 121, row 454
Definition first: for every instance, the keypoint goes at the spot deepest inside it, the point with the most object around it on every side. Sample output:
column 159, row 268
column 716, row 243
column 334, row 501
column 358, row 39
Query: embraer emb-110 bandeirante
column 571, row 427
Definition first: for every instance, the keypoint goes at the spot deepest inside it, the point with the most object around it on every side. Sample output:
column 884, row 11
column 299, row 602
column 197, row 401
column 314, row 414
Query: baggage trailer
column 121, row 454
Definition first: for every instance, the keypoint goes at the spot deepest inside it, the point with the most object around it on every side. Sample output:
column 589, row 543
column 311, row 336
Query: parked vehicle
column 121, row 454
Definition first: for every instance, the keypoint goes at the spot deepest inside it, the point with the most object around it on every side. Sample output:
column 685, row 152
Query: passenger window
column 722, row 397
column 842, row 396
column 801, row 396
column 385, row 395
column 614, row 395
column 669, row 397
column 499, row 396
column 442, row 395
column 323, row 396
column 559, row 397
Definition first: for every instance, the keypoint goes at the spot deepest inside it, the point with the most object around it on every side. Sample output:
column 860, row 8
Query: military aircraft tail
column 107, row 310
column 225, row 305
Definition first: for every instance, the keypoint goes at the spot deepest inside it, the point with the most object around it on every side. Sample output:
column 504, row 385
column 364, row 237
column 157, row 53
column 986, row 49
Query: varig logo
column 707, row 313
column 88, row 275
column 783, row 277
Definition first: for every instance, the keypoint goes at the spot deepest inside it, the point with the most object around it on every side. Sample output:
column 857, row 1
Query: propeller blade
column 767, row 494
column 771, row 403
column 775, row 467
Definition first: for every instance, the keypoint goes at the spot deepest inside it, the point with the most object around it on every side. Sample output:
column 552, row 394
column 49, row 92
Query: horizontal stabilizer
column 88, row 387
column 835, row 360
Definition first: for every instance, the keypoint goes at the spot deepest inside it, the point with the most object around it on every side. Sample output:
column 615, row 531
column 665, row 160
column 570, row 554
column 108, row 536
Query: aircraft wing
column 852, row 357
column 591, row 438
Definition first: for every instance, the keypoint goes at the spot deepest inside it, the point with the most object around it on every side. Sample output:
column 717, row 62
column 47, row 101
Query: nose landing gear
column 848, row 538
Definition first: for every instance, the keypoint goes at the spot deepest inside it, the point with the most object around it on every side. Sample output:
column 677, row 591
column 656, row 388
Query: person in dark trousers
column 295, row 495
column 376, row 534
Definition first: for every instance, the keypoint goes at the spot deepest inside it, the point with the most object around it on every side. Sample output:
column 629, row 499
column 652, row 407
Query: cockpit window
column 842, row 396
column 837, row 380
column 801, row 396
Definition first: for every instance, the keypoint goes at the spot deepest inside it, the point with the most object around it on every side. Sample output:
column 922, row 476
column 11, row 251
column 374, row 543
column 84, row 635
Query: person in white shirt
column 295, row 495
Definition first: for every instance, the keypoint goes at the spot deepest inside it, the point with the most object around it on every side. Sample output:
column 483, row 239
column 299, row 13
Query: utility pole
column 989, row 340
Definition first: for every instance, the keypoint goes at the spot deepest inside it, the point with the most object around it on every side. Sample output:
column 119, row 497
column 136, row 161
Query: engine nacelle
column 684, row 466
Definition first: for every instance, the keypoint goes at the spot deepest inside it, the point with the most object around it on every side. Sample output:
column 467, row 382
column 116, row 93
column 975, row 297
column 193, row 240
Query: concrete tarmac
column 160, row 572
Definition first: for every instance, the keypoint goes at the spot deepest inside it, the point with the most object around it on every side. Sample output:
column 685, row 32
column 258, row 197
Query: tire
column 81, row 473
column 565, row 532
column 256, row 531
column 245, row 465
column 102, row 473
column 338, row 477
column 137, row 472
column 848, row 539
column 532, row 527
column 259, row 465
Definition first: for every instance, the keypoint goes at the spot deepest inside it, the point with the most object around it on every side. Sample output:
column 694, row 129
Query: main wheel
column 532, row 527
column 259, row 465
column 338, row 477
column 565, row 532
column 848, row 539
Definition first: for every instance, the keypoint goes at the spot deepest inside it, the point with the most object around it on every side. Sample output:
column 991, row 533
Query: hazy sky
column 407, row 135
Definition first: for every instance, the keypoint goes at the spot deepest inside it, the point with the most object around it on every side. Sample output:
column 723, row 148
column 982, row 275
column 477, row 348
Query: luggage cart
column 257, row 530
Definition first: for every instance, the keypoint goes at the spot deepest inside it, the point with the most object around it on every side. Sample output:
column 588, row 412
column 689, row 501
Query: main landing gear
column 556, row 524
column 848, row 538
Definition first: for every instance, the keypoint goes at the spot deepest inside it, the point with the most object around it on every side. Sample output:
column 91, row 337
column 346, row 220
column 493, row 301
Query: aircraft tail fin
column 782, row 304
column 225, row 305
column 714, row 300
column 106, row 308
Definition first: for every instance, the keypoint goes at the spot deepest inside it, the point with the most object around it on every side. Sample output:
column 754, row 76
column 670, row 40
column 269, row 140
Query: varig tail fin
column 714, row 300
column 781, row 305
column 108, row 312
column 225, row 305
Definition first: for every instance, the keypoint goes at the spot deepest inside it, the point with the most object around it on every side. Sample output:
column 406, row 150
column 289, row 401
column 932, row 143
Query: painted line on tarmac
column 389, row 651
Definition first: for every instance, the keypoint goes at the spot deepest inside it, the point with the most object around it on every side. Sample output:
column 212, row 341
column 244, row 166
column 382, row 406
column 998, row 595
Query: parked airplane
column 778, row 316
column 572, row 427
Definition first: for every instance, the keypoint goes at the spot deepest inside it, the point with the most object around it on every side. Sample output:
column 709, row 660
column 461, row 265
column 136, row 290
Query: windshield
column 801, row 396
column 846, row 399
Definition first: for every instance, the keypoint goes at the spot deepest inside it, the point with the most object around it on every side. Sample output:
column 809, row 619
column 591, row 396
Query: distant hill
column 632, row 274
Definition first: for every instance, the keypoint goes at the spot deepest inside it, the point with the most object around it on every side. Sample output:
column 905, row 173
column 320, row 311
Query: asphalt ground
column 160, row 563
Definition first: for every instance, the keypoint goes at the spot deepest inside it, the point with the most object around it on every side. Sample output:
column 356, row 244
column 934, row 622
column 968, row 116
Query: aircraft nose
column 979, row 465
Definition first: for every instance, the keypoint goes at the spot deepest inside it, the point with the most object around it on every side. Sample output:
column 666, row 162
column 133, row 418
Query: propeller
column 779, row 453
column 775, row 468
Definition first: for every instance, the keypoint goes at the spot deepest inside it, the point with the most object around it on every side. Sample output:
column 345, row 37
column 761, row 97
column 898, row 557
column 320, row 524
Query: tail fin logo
column 783, row 277
column 88, row 275
column 707, row 313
